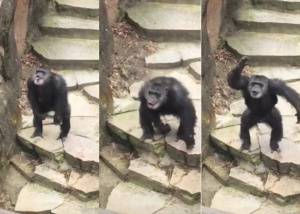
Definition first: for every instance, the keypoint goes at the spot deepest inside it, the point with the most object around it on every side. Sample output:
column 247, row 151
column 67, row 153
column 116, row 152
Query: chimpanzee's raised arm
column 234, row 77
column 280, row 88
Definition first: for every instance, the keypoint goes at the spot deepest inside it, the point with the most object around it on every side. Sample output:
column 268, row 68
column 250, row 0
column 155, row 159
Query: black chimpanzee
column 163, row 96
column 260, row 94
column 48, row 91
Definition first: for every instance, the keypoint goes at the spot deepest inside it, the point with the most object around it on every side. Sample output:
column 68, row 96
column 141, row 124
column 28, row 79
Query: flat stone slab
column 183, row 19
column 285, row 73
column 125, row 105
column 195, row 70
column 46, row 146
column 116, row 160
column 281, row 4
column 24, row 165
column 270, row 19
column 218, row 168
column 92, row 92
column 247, row 181
column 51, row 178
column 226, row 120
column 67, row 51
column 174, row 55
column 85, row 126
column 82, row 152
column 148, row 175
column 70, row 25
column 77, row 206
column 259, row 47
column 79, row 78
column 34, row 198
column 128, row 198
column 234, row 201
column 86, row 185
column 287, row 160
column 187, row 182
column 228, row 139
column 78, row 102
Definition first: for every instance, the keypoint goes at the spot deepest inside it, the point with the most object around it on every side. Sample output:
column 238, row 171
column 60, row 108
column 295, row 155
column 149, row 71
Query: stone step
column 273, row 186
column 70, row 26
column 92, row 92
column 285, row 73
column 172, row 55
column 230, row 200
column 281, row 49
column 78, row 7
column 77, row 79
column 128, row 198
column 263, row 20
column 24, row 165
column 68, row 52
column 35, row 198
column 218, row 168
column 183, row 20
column 281, row 5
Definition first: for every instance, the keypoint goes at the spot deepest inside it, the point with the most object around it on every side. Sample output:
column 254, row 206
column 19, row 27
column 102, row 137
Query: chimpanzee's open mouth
column 152, row 106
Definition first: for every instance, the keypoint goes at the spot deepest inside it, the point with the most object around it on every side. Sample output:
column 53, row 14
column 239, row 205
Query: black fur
column 262, row 109
column 174, row 101
column 50, row 96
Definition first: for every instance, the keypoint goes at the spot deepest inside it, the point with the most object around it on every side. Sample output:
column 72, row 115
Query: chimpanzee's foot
column 37, row 133
column 147, row 136
column 245, row 145
column 274, row 147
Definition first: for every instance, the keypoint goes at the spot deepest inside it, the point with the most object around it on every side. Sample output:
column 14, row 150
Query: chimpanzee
column 164, row 96
column 48, row 91
column 260, row 94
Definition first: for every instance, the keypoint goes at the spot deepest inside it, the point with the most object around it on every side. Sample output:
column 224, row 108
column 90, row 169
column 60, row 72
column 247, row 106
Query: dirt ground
column 130, row 50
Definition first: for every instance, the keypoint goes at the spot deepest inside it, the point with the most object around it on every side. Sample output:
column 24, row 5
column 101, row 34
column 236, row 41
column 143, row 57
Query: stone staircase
column 164, row 172
column 259, row 181
column 67, row 177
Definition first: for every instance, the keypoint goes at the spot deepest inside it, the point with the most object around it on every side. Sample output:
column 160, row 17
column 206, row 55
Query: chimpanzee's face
column 40, row 77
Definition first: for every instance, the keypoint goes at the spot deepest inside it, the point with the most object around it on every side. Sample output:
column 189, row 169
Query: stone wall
column 9, row 83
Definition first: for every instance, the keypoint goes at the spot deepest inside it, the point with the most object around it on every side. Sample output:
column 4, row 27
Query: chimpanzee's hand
column 57, row 119
column 243, row 61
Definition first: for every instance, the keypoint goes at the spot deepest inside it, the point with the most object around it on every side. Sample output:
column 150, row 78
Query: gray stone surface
column 259, row 46
column 161, row 18
column 70, row 25
column 116, row 160
column 85, row 126
column 125, row 104
column 285, row 73
column 233, row 201
column 46, row 146
column 228, row 139
column 34, row 198
column 82, row 152
column 92, row 92
column 76, row 206
column 85, row 185
column 79, row 78
column 164, row 59
column 148, row 175
column 67, row 51
column 187, row 182
column 132, row 199
column 219, row 168
column 51, row 178
column 92, row 4
column 24, row 165
column 247, row 181
column 79, row 102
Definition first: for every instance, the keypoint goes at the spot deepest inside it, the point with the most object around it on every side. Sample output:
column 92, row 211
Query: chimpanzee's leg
column 248, row 120
column 275, row 121
column 38, row 125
